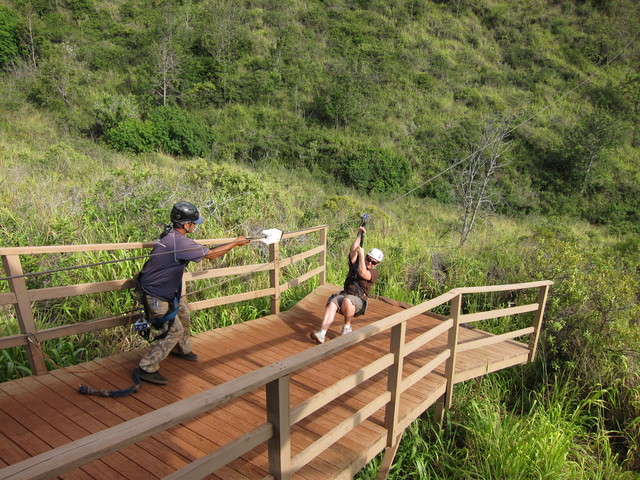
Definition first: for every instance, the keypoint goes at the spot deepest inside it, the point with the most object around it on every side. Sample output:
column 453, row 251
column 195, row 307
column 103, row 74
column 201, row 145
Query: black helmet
column 183, row 212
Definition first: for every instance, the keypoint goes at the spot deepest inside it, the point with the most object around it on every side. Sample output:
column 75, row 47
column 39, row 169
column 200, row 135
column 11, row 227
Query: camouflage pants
column 177, row 337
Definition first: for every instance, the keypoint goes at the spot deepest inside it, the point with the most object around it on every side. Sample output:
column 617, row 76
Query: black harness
column 143, row 326
column 352, row 287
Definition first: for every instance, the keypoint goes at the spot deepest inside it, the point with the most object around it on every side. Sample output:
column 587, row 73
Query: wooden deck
column 43, row 412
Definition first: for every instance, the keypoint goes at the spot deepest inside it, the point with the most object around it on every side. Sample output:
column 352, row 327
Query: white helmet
column 376, row 254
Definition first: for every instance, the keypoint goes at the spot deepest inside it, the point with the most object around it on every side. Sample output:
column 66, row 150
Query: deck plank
column 61, row 414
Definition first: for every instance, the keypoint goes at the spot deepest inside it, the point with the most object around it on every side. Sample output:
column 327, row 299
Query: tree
column 473, row 184
column 585, row 148
column 168, row 55
column 31, row 37
column 224, row 38
column 9, row 36
column 167, row 69
column 58, row 77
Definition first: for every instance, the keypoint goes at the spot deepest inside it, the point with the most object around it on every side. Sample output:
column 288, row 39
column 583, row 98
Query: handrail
column 503, row 288
column 22, row 297
column 95, row 247
column 280, row 415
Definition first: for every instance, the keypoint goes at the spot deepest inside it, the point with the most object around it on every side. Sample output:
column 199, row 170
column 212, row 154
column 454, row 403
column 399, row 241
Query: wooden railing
column 281, row 416
column 22, row 298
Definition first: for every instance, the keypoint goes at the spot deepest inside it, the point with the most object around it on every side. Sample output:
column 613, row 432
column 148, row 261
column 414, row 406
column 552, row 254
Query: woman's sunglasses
column 371, row 261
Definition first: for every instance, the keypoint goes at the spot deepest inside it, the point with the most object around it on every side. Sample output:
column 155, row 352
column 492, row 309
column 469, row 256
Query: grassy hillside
column 294, row 114
column 376, row 95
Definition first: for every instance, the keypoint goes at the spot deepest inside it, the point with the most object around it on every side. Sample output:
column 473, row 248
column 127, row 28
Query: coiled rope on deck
column 89, row 390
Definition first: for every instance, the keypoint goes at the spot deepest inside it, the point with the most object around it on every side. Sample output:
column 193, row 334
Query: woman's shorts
column 338, row 298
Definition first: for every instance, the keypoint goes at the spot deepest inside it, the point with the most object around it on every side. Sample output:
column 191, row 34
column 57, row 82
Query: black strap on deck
column 88, row 390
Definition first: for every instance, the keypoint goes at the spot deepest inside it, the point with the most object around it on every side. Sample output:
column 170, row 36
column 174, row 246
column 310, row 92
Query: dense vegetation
column 430, row 115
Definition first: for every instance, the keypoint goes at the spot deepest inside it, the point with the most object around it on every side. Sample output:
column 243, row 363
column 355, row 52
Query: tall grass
column 556, row 433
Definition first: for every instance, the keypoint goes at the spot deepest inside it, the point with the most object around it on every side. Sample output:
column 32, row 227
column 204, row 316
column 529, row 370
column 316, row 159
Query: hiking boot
column 346, row 329
column 189, row 357
column 152, row 377
column 317, row 337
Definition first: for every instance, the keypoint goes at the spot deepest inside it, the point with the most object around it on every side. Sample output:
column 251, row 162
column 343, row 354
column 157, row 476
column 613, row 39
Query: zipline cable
column 397, row 199
column 106, row 262
column 523, row 122
column 597, row 72
column 87, row 265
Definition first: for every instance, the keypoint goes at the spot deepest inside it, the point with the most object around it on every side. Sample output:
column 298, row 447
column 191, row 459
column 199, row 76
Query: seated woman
column 352, row 299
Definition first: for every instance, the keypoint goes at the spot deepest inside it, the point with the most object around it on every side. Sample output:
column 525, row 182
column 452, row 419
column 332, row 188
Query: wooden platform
column 40, row 413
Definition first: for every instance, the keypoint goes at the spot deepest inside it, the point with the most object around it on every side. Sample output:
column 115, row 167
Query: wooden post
column 387, row 460
column 450, row 368
column 279, row 415
column 537, row 321
column 24, row 313
column 274, row 276
column 394, row 382
column 323, row 256
column 184, row 292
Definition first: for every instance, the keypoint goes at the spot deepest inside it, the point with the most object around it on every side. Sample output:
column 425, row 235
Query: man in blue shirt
column 160, row 285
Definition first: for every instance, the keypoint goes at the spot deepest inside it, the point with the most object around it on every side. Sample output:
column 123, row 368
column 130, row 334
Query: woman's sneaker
column 346, row 329
column 318, row 336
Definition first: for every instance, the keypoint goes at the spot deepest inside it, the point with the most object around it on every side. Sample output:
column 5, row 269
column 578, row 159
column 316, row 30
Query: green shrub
column 169, row 129
column 132, row 135
column 376, row 170
column 179, row 132
column 591, row 320
column 112, row 110
column 127, row 204
column 80, row 8
column 234, row 196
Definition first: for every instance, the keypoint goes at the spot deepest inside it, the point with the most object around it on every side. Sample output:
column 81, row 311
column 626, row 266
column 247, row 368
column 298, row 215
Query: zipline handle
column 364, row 217
column 272, row 235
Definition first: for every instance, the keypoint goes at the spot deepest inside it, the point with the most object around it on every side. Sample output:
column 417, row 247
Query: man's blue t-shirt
column 161, row 275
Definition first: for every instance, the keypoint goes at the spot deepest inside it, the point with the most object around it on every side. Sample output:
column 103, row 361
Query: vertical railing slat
column 274, row 276
column 394, row 381
column 26, row 321
column 398, row 333
column 537, row 321
column 323, row 256
column 279, row 415
column 450, row 368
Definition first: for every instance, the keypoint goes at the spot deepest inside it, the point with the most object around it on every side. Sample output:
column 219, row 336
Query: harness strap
column 169, row 317
column 351, row 282
column 363, row 309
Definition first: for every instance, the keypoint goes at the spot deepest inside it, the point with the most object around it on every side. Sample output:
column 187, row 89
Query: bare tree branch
column 474, row 183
